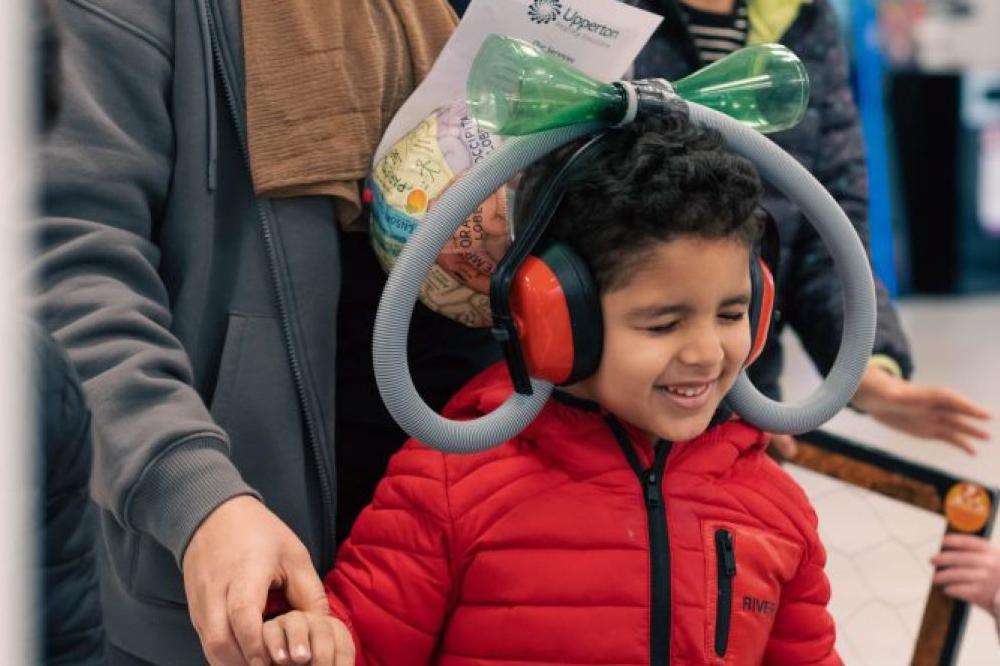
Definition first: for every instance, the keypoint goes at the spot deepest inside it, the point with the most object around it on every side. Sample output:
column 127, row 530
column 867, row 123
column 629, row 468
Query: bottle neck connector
column 647, row 97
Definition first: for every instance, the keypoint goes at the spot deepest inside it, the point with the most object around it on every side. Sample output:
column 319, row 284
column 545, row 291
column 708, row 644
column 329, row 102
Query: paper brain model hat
column 404, row 186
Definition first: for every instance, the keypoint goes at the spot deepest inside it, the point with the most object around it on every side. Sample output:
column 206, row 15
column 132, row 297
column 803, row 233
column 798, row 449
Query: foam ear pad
column 557, row 311
column 761, row 306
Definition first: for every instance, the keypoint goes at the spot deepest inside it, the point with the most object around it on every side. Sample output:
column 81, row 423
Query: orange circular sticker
column 416, row 202
column 967, row 507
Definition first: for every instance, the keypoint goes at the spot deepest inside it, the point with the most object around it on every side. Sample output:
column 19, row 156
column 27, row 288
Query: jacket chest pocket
column 745, row 570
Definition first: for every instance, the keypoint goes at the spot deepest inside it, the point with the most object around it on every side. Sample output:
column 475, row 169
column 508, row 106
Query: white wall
column 18, row 482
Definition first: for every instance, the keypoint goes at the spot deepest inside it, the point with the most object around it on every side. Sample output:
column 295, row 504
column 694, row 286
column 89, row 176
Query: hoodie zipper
column 211, row 110
column 725, row 558
column 659, row 542
column 308, row 418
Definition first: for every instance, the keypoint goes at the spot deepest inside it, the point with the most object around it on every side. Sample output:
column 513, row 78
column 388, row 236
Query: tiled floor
column 877, row 561
column 879, row 548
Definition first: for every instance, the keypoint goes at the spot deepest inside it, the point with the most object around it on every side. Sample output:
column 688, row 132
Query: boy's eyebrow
column 654, row 311
column 742, row 299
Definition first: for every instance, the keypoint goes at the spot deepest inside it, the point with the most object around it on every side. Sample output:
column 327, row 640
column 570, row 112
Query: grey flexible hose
column 402, row 289
column 853, row 269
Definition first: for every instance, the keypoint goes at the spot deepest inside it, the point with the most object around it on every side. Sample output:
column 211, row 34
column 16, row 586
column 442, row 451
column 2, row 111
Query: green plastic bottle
column 765, row 86
column 514, row 88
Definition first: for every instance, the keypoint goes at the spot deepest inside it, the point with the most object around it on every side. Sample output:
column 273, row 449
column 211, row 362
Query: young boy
column 632, row 522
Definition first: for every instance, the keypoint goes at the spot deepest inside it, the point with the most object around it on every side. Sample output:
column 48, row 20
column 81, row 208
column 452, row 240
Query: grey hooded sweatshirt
column 201, row 320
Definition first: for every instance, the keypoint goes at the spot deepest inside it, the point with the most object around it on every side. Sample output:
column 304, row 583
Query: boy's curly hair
column 653, row 181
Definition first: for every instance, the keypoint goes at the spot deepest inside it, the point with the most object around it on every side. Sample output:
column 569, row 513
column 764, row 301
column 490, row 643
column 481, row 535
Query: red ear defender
column 557, row 312
column 541, row 315
column 761, row 307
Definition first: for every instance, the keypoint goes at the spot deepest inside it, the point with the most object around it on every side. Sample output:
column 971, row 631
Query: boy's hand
column 969, row 569
column 930, row 412
column 308, row 638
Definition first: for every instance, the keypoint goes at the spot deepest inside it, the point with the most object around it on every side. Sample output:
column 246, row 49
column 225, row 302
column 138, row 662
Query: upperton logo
column 544, row 11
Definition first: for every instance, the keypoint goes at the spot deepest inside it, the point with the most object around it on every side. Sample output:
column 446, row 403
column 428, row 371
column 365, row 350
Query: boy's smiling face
column 676, row 335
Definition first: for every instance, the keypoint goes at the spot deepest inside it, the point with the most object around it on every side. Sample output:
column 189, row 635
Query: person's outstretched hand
column 930, row 412
column 235, row 557
column 308, row 638
column 969, row 569
column 785, row 445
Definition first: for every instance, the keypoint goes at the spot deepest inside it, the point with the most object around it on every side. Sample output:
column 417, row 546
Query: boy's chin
column 682, row 430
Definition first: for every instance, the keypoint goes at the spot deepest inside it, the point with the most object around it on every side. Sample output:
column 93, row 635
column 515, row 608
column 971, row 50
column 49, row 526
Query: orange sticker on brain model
column 416, row 202
column 967, row 507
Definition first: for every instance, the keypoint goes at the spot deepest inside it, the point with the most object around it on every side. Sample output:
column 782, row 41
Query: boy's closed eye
column 652, row 319
column 727, row 316
column 659, row 329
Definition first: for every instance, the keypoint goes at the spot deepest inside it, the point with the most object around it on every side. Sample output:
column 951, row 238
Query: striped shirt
column 717, row 35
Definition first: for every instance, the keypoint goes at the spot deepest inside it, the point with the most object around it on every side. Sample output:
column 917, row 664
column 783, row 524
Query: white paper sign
column 599, row 37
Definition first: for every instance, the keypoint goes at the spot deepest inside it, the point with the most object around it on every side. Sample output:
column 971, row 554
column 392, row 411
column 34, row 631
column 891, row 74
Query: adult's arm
column 161, row 462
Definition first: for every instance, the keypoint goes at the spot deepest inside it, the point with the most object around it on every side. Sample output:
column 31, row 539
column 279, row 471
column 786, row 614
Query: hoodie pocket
column 725, row 560
column 257, row 404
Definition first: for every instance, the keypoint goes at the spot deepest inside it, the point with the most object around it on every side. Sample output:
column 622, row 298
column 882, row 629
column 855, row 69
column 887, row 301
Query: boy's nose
column 702, row 348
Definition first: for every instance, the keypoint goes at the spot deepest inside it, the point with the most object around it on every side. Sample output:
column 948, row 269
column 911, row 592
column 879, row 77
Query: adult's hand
column 784, row 445
column 239, row 552
column 930, row 412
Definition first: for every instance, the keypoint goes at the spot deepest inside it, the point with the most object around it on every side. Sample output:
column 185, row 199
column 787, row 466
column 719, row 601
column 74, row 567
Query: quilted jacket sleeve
column 393, row 582
column 815, row 308
column 71, row 604
column 803, row 633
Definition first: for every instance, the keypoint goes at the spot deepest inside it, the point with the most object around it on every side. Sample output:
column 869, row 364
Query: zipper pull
column 724, row 539
column 652, row 489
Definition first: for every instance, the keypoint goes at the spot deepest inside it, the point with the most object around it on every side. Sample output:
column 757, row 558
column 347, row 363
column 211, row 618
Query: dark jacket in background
column 73, row 631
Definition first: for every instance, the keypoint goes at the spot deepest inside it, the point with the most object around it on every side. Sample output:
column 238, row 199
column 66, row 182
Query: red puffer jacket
column 553, row 549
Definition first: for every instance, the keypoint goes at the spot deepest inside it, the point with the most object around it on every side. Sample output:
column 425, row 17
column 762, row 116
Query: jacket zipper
column 309, row 419
column 725, row 558
column 659, row 542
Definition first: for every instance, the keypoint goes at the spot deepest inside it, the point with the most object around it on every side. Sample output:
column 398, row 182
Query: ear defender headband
column 546, row 305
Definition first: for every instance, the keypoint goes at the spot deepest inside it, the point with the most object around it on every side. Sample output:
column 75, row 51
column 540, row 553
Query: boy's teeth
column 687, row 392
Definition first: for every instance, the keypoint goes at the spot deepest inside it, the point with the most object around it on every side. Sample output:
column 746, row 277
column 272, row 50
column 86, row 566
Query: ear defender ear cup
column 557, row 312
column 761, row 306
